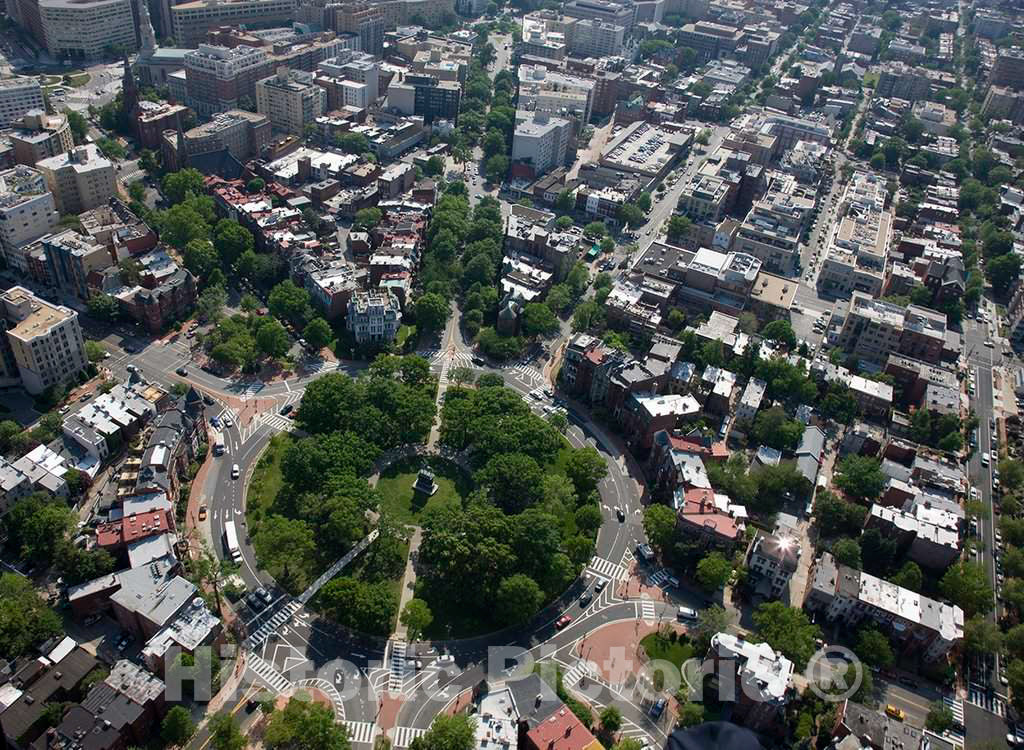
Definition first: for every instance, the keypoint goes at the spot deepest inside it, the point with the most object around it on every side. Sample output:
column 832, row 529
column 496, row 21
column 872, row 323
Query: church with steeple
column 154, row 63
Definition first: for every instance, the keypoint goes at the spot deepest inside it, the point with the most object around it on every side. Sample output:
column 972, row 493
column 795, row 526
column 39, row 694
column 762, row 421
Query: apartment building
column 555, row 92
column 1008, row 69
column 425, row 96
column 771, row 562
column 43, row 345
column 1003, row 103
column 856, row 257
column 70, row 258
column 771, row 230
column 916, row 624
column 39, row 136
column 87, row 29
column 17, row 97
column 621, row 14
column 373, row 316
column 221, row 78
column 80, row 179
column 901, row 81
column 191, row 21
column 750, row 401
column 873, row 329
column 290, row 100
column 27, row 212
column 361, row 18
column 349, row 66
column 541, row 141
column 594, row 38
column 710, row 40
column 762, row 678
column 242, row 133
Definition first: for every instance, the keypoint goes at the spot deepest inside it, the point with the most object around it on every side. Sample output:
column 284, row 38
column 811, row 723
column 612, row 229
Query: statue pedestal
column 425, row 483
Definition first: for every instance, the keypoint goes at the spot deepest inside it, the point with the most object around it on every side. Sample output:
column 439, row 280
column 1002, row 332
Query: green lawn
column 266, row 480
column 77, row 79
column 658, row 647
column 398, row 499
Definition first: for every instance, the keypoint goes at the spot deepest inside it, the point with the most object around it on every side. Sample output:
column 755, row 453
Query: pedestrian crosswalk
column 577, row 672
column 657, row 577
column 275, row 421
column 956, row 707
column 397, row 666
column 405, row 735
column 528, row 373
column 608, row 569
column 266, row 672
column 251, row 389
column 977, row 695
column 361, row 731
column 315, row 368
column 276, row 620
column 646, row 610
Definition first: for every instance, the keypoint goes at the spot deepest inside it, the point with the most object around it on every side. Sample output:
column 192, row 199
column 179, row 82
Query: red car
column 562, row 621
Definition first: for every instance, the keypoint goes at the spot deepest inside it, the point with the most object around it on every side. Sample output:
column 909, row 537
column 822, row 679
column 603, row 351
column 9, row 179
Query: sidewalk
column 408, row 580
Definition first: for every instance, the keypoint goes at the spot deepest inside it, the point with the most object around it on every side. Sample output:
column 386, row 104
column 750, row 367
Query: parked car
column 586, row 599
column 202, row 512
column 208, row 399
column 600, row 585
column 286, row 410
column 685, row 613
column 897, row 713
column 562, row 621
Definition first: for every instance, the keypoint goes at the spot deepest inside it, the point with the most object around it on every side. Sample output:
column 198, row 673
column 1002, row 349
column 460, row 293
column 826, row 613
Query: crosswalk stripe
column 397, row 666
column 647, row 611
column 405, row 735
column 361, row 731
column 268, row 674
column 608, row 569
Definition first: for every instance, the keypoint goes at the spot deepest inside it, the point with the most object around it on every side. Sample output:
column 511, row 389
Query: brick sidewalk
column 613, row 648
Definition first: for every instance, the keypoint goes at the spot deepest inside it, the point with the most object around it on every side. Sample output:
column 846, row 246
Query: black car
column 286, row 410
column 479, row 361
column 182, row 371
column 208, row 400
column 586, row 598
column 620, row 514
column 251, row 706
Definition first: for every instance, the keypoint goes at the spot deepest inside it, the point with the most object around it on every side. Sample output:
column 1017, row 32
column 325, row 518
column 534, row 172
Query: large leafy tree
column 176, row 186
column 456, row 732
column 286, row 548
column 788, row 631
column 432, row 311
column 966, row 585
column 25, row 620
column 861, row 477
column 660, row 526
column 305, row 725
column 519, row 598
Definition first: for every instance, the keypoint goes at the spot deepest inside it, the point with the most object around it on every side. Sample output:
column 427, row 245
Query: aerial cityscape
column 548, row 375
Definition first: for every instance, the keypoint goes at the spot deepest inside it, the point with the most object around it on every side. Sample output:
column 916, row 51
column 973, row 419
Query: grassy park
column 398, row 499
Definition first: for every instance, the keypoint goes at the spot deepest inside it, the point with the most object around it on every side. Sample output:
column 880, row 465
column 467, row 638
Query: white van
column 685, row 613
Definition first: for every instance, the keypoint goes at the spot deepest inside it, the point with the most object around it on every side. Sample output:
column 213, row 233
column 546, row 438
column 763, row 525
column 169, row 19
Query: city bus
column 231, row 541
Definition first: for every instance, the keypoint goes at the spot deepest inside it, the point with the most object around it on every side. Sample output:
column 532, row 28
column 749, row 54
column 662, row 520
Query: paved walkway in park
column 408, row 580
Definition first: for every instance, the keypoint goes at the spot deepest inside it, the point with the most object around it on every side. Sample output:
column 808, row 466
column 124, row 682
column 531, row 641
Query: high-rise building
column 1009, row 68
column 291, row 100
column 27, row 212
column 350, row 65
column 555, row 92
column 40, row 136
column 80, row 179
column 219, row 78
column 243, row 134
column 594, row 38
column 541, row 141
column 359, row 18
column 18, row 96
column 87, row 29
column 192, row 20
column 425, row 96
column 42, row 345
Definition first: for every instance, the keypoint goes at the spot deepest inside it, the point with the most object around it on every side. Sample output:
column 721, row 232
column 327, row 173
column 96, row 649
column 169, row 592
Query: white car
column 235, row 472
column 227, row 421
